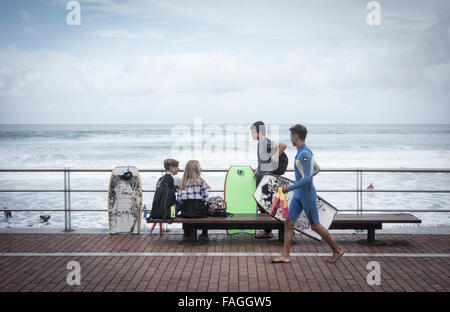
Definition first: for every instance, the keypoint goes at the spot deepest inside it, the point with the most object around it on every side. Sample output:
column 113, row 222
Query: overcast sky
column 137, row 61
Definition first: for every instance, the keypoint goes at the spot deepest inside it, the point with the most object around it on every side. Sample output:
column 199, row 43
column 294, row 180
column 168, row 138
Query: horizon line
column 224, row 123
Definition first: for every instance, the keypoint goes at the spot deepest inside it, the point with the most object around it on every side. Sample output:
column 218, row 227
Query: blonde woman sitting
column 193, row 195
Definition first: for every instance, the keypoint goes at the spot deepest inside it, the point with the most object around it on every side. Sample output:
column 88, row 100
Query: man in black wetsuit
column 271, row 160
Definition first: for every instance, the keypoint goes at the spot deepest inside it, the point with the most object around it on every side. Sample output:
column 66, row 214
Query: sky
column 170, row 61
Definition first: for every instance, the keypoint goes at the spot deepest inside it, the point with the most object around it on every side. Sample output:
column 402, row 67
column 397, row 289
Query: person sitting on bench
column 193, row 195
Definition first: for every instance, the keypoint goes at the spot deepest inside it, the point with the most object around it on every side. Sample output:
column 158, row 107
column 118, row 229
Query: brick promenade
column 236, row 263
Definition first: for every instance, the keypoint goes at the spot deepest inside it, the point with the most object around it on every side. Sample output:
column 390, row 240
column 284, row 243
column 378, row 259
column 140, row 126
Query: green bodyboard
column 239, row 188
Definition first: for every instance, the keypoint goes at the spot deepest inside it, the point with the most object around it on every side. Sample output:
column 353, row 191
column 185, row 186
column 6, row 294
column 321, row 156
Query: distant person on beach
column 271, row 160
column 304, row 198
column 193, row 195
column 7, row 213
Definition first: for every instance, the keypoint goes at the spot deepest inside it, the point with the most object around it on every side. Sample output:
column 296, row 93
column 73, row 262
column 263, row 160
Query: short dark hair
column 259, row 127
column 170, row 163
column 300, row 131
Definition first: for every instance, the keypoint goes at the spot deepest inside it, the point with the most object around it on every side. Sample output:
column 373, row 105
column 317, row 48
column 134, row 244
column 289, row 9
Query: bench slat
column 237, row 218
column 340, row 218
column 376, row 218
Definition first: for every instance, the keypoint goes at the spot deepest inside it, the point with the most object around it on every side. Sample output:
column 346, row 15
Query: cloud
column 234, row 58
column 61, row 72
column 405, row 23
column 215, row 72
column 136, row 8
column 25, row 16
column 183, row 40
column 16, row 82
column 26, row 22
column 126, row 34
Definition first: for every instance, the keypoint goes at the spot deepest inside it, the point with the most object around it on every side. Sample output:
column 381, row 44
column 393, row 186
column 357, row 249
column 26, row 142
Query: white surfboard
column 266, row 190
column 125, row 201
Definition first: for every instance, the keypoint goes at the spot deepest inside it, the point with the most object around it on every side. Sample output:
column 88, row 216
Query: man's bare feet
column 281, row 259
column 336, row 255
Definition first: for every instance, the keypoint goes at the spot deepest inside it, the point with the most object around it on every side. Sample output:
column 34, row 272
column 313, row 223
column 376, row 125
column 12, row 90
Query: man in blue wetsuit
column 304, row 198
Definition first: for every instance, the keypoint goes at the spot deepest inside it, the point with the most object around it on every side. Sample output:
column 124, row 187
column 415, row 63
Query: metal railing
column 359, row 187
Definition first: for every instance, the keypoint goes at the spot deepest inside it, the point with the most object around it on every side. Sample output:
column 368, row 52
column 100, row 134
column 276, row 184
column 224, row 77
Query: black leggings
column 260, row 208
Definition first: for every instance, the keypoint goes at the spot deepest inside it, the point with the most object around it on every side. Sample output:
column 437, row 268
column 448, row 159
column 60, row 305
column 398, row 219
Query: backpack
column 282, row 160
column 282, row 164
column 164, row 198
column 217, row 207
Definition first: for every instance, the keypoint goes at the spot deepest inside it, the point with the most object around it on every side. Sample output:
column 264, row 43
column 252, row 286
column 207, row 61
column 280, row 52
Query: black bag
column 282, row 160
column 194, row 208
column 282, row 164
column 164, row 198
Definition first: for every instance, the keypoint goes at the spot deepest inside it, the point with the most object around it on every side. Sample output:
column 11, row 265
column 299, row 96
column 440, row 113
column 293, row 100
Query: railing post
column 69, row 201
column 357, row 191
column 65, row 201
column 360, row 191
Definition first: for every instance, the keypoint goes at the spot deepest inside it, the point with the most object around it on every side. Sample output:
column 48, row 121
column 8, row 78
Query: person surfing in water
column 304, row 198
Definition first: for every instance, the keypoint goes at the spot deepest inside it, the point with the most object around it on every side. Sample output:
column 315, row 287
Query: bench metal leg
column 371, row 241
column 371, row 236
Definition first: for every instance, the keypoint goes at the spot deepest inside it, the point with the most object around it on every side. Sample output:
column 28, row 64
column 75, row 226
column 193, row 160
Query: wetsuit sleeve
column 303, row 164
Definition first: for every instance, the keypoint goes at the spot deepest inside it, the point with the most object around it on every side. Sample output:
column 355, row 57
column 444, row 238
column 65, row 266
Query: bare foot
column 281, row 259
column 336, row 255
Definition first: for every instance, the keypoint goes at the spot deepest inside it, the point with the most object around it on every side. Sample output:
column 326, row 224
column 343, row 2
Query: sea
column 216, row 146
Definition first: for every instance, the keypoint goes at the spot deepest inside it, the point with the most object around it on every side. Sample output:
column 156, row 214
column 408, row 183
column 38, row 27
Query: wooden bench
column 370, row 222
column 355, row 221
column 244, row 221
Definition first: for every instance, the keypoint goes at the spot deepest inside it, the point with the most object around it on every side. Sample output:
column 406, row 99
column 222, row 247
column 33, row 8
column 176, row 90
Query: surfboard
column 238, row 193
column 267, row 189
column 125, row 201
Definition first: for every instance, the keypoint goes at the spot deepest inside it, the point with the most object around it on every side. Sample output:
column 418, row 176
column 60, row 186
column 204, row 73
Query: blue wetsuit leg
column 309, row 202
column 297, row 205
column 295, row 208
